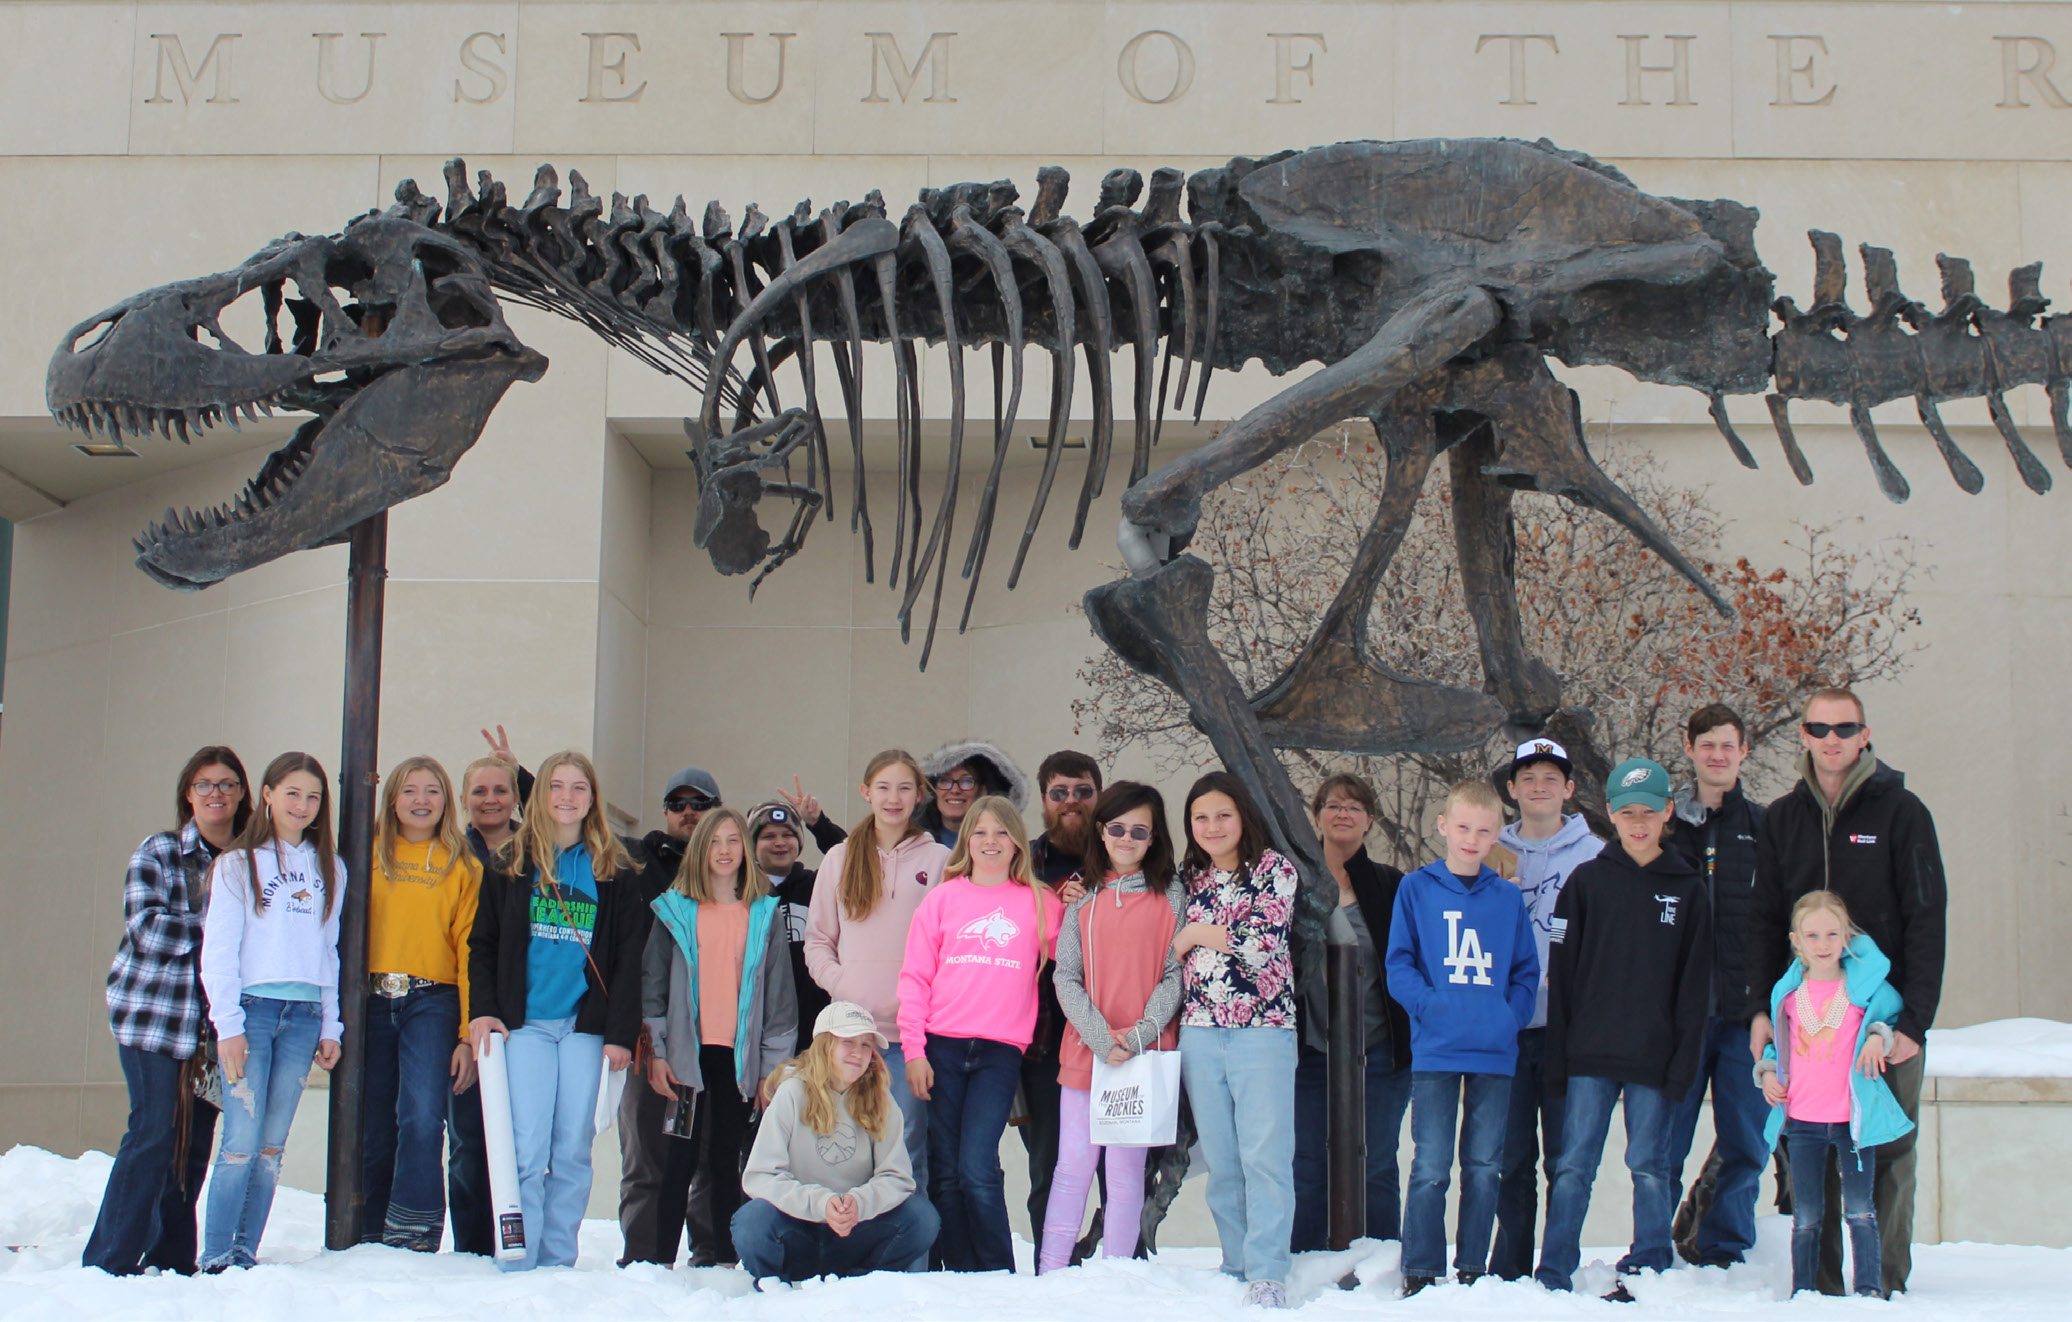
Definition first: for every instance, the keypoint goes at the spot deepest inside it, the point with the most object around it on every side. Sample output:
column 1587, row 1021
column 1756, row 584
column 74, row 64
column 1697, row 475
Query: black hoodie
column 1880, row 854
column 1631, row 973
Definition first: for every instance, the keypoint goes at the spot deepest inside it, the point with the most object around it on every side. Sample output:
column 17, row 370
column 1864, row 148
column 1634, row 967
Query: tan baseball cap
column 848, row 1019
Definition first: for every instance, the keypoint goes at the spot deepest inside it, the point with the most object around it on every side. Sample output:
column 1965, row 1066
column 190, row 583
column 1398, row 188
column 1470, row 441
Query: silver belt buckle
column 391, row 985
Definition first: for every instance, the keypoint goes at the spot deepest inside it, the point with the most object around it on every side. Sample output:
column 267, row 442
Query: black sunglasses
column 1117, row 831
column 1822, row 729
column 690, row 803
column 1067, row 793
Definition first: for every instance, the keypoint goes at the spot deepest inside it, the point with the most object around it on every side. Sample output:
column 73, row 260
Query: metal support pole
column 1346, row 1091
column 358, row 780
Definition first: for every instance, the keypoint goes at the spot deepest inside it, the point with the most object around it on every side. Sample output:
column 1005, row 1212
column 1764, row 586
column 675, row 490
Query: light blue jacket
column 1874, row 1114
column 766, row 1016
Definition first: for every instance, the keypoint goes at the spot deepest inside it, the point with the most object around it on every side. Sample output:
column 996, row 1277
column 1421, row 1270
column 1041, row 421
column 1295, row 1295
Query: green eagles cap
column 1637, row 780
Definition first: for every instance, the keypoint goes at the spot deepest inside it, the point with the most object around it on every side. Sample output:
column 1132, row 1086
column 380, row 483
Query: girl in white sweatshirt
column 269, row 965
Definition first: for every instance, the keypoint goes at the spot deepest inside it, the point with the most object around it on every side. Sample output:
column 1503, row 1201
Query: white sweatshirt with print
column 290, row 938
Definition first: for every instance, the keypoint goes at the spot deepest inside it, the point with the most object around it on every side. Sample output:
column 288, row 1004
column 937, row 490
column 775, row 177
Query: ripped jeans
column 1808, row 1143
column 280, row 1042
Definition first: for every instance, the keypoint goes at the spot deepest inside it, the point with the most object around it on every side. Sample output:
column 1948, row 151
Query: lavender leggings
column 1075, row 1175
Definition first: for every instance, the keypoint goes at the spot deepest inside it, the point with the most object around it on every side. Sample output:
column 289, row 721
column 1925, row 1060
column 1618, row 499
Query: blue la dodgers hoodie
column 1461, row 960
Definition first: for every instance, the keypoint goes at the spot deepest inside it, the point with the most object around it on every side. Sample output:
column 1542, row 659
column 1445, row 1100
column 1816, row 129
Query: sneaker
column 1619, row 1294
column 1413, row 1283
column 1266, row 1294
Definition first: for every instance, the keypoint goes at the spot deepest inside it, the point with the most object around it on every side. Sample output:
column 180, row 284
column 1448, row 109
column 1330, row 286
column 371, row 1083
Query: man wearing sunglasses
column 1851, row 826
column 690, row 794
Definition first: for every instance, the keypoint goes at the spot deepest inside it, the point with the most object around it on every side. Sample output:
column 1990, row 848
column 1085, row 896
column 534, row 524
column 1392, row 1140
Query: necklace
column 1812, row 1025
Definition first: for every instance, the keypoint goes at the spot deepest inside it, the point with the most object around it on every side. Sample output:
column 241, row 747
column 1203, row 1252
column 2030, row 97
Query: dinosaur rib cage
column 963, row 267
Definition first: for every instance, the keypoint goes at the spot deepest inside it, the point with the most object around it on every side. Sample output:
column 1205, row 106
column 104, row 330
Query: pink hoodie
column 859, row 960
column 971, row 963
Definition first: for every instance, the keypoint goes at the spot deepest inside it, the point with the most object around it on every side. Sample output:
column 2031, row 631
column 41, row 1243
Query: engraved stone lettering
column 936, row 55
column 1678, row 69
column 1183, row 67
column 737, row 67
column 1791, row 72
column 185, row 77
column 1285, row 68
column 479, row 64
column 327, row 68
column 1514, row 45
column 601, row 45
column 2030, row 58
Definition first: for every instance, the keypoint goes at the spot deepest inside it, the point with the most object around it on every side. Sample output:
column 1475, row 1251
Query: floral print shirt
column 1254, row 985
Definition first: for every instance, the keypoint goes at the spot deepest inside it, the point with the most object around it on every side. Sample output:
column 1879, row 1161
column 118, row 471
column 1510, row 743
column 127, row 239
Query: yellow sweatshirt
column 420, row 914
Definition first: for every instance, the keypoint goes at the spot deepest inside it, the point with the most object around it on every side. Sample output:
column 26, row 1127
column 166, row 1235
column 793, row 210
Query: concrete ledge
column 1945, row 1092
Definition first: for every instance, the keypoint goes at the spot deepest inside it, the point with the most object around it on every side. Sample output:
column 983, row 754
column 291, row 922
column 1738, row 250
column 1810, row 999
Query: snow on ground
column 47, row 1206
column 2002, row 1049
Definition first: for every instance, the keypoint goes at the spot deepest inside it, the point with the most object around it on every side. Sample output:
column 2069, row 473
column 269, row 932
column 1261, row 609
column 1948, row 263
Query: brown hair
column 1353, row 787
column 259, row 830
column 870, row 1097
column 531, row 847
column 1252, row 839
column 1067, row 762
column 211, row 755
column 694, row 874
column 860, row 880
column 1127, row 796
column 1712, row 716
column 447, row 836
column 1836, row 693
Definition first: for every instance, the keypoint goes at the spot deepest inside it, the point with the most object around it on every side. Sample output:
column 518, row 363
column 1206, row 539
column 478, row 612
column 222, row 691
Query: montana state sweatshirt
column 1632, row 973
column 972, row 960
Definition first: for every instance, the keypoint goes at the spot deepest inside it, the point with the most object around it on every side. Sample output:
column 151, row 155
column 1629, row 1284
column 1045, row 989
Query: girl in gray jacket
column 717, row 999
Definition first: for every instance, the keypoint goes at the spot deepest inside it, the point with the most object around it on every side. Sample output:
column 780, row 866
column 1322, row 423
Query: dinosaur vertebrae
column 686, row 296
column 1968, row 349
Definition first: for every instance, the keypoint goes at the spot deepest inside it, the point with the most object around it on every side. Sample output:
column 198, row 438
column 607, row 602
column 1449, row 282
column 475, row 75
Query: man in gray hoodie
column 1549, row 846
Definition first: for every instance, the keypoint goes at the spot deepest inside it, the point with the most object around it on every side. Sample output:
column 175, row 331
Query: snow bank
column 2002, row 1049
column 47, row 1205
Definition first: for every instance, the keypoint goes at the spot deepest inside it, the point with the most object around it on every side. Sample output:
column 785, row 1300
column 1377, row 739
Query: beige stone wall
column 551, row 585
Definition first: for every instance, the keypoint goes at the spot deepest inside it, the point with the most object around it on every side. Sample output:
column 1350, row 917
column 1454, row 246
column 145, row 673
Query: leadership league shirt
column 972, row 960
column 562, row 926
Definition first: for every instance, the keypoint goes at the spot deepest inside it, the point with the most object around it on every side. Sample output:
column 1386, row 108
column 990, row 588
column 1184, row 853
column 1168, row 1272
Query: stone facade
column 551, row 586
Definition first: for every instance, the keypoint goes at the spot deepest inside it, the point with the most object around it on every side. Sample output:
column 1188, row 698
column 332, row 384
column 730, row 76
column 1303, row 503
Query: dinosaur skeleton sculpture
column 1430, row 279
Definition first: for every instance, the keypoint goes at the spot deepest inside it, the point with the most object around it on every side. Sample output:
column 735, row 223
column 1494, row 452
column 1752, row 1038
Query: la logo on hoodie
column 1462, row 961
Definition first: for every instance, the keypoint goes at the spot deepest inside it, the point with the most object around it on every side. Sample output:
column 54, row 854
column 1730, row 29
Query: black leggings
column 716, row 1148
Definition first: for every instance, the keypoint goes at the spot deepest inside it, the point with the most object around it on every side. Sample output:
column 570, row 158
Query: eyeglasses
column 207, row 787
column 1067, row 793
column 965, row 784
column 1336, row 807
column 1842, row 729
column 1117, row 831
column 690, row 803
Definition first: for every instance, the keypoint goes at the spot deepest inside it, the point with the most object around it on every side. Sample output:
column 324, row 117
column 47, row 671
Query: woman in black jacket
column 554, row 965
column 1344, row 808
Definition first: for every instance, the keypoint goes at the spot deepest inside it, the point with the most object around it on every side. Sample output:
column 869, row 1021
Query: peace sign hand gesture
column 500, row 745
column 804, row 804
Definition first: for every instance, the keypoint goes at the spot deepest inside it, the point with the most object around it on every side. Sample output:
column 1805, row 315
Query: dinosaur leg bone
column 1421, row 337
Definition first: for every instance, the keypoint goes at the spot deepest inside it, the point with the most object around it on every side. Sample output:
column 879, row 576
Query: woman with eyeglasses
column 156, row 1012
column 1119, row 983
column 961, row 774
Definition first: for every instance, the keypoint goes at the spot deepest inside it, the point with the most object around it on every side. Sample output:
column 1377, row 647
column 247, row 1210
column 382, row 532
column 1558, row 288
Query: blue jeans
column 554, row 1072
column 1241, row 1086
column 467, row 1173
column 1807, row 1144
column 280, row 1042
column 1738, row 1115
column 1532, row 1138
column 975, row 1081
column 410, row 1042
column 912, row 1111
column 1388, row 1099
column 776, row 1244
column 1584, row 1124
column 1478, row 1102
column 147, row 1210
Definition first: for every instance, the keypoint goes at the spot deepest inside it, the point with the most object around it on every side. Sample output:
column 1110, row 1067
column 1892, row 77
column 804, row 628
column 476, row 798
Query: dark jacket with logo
column 1880, row 854
column 795, row 899
column 502, row 939
column 1053, row 868
column 1632, row 973
column 1721, row 845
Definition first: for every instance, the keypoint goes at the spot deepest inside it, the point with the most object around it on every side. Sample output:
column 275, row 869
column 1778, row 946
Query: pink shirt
column 972, row 964
column 1817, row 1088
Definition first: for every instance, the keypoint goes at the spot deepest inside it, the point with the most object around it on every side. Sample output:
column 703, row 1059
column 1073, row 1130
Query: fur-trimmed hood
column 957, row 754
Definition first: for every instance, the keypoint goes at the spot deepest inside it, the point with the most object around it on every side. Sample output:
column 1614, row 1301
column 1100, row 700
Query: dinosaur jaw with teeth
column 396, row 437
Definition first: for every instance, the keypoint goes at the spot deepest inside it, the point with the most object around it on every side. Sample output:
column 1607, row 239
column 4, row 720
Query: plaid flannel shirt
column 154, row 987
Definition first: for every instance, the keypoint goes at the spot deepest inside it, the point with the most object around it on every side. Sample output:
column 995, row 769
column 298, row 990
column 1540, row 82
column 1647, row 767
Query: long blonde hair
column 531, row 847
column 1022, row 869
column 694, row 874
column 388, row 828
column 870, row 1097
column 1819, row 902
column 861, row 883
